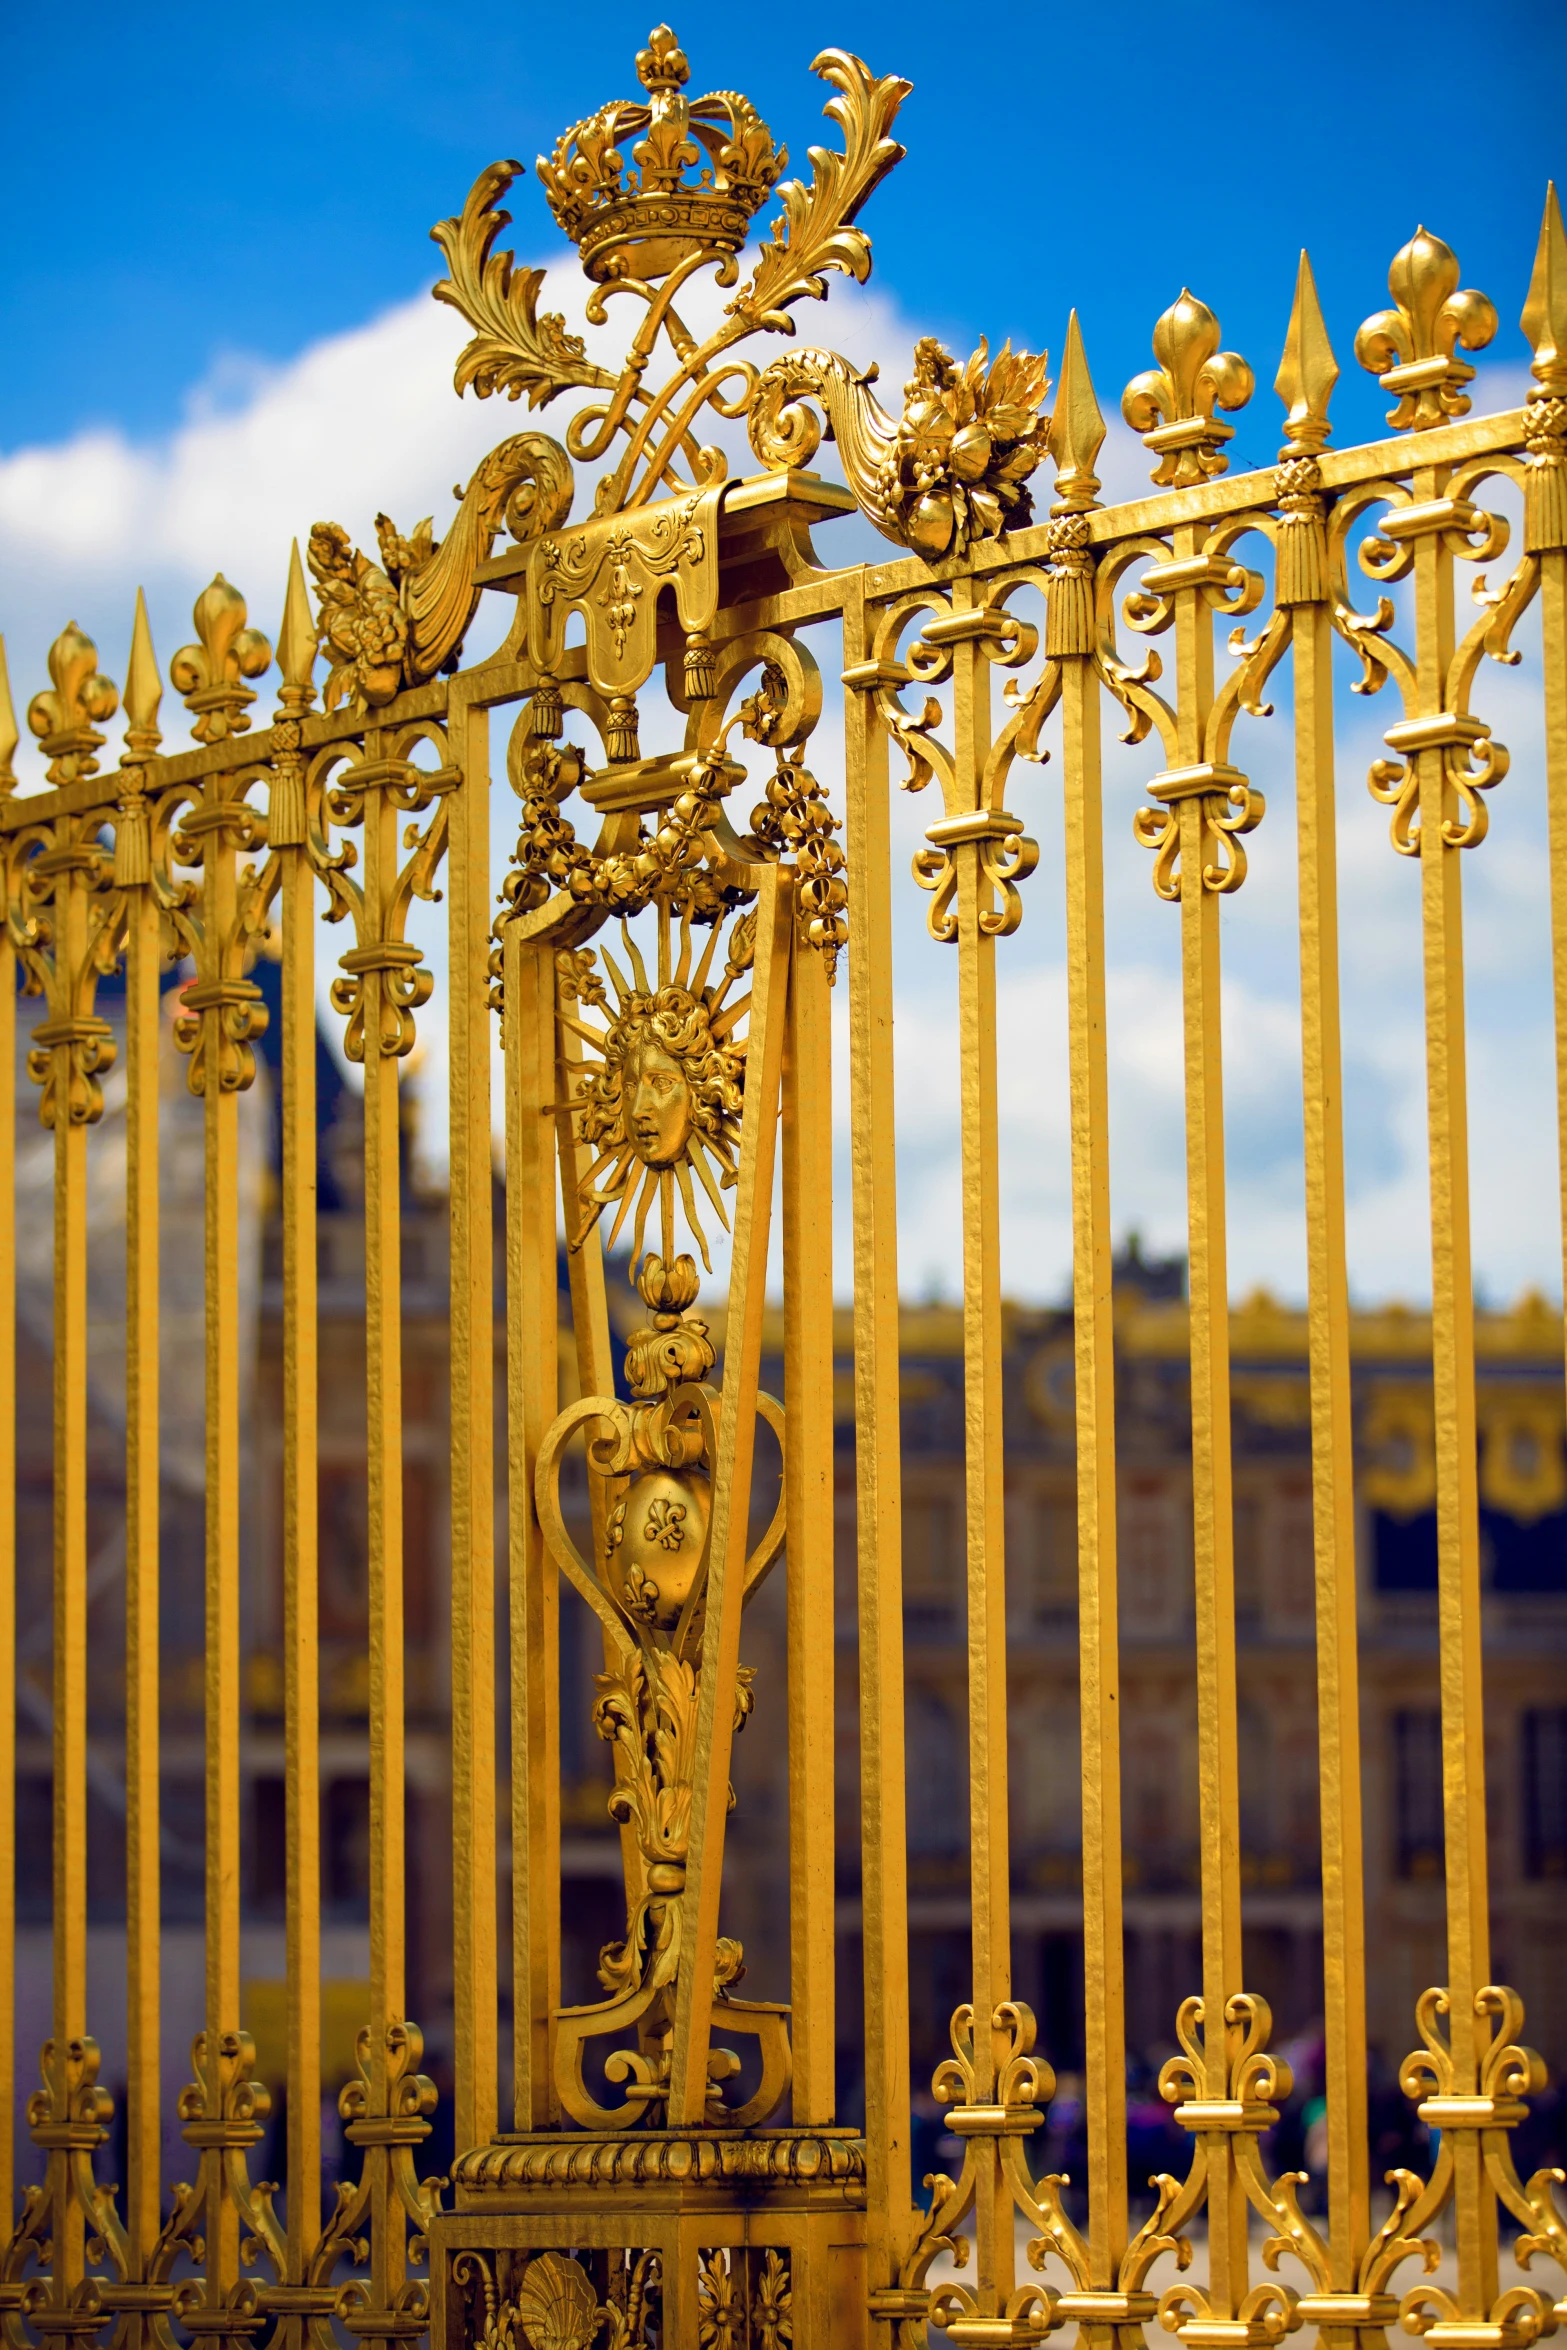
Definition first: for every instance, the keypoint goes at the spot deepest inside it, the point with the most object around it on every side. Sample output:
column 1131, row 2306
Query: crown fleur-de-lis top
column 67, row 715
column 1413, row 348
column 1172, row 404
column 210, row 674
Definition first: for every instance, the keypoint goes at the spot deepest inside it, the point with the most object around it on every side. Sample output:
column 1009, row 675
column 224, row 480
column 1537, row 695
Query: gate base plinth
column 654, row 2241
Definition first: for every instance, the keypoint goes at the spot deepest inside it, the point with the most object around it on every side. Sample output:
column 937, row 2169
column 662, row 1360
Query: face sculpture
column 662, row 1108
column 659, row 1110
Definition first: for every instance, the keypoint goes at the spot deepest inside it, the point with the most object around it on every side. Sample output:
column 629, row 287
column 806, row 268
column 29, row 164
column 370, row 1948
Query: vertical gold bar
column 142, row 926
column 143, row 2008
column 983, row 1446
column 808, row 1413
column 1104, row 2043
column 8, row 979
column 532, row 1378
column 473, row 1443
column 729, row 1522
column 301, row 1604
column 222, row 1670
column 70, row 1546
column 1332, row 1454
column 384, row 1418
column 1553, row 648
column 878, row 1470
column 1452, row 1349
column 1212, row 1508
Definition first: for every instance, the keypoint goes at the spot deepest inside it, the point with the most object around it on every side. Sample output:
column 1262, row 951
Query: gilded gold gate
column 649, row 2183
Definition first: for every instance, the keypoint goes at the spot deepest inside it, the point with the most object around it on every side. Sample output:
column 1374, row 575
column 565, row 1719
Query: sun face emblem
column 665, row 1094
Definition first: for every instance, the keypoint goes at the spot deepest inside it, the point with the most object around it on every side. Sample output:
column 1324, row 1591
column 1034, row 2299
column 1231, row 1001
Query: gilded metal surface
column 657, row 1078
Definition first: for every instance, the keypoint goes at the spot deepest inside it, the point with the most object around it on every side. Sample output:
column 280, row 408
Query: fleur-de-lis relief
column 1413, row 348
column 67, row 715
column 1193, row 378
column 211, row 674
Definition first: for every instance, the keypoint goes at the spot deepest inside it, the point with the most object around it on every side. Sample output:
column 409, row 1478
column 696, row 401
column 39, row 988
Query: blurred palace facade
column 1523, row 1488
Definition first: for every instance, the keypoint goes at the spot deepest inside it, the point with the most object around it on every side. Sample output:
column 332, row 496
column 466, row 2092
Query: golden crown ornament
column 645, row 220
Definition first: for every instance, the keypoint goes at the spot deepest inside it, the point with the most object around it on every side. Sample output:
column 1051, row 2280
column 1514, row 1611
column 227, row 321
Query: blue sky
column 215, row 271
column 184, row 193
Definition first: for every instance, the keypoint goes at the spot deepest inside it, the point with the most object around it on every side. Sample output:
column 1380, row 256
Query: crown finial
column 1308, row 370
column 1077, row 429
column 1172, row 404
column 1413, row 348
column 1545, row 308
column 8, row 734
column 643, row 222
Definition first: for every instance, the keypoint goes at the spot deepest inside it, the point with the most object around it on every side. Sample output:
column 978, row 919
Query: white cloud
column 366, row 419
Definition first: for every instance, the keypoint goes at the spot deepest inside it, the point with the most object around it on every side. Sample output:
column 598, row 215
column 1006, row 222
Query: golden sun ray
column 651, row 1186
column 644, row 987
column 692, row 1218
column 699, row 1162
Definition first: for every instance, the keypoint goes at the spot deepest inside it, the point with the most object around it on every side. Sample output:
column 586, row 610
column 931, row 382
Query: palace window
column 1545, row 1791
column 1417, row 1793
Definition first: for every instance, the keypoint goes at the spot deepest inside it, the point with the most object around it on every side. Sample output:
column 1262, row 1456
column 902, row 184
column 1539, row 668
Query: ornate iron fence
column 645, row 2185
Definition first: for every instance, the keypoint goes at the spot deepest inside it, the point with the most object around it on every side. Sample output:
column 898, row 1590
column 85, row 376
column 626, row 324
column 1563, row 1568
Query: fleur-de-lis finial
column 1077, row 429
column 210, row 674
column 143, row 693
column 1307, row 372
column 8, row 734
column 1193, row 378
column 67, row 715
column 1412, row 348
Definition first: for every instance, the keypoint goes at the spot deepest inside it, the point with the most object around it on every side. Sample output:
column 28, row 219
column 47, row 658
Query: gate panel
column 668, row 2163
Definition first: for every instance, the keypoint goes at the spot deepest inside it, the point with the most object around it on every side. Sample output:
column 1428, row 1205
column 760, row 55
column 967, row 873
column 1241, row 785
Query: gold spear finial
column 143, row 691
column 296, row 644
column 9, row 737
column 1077, row 429
column 296, row 655
column 1545, row 310
column 1308, row 370
column 1545, row 324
